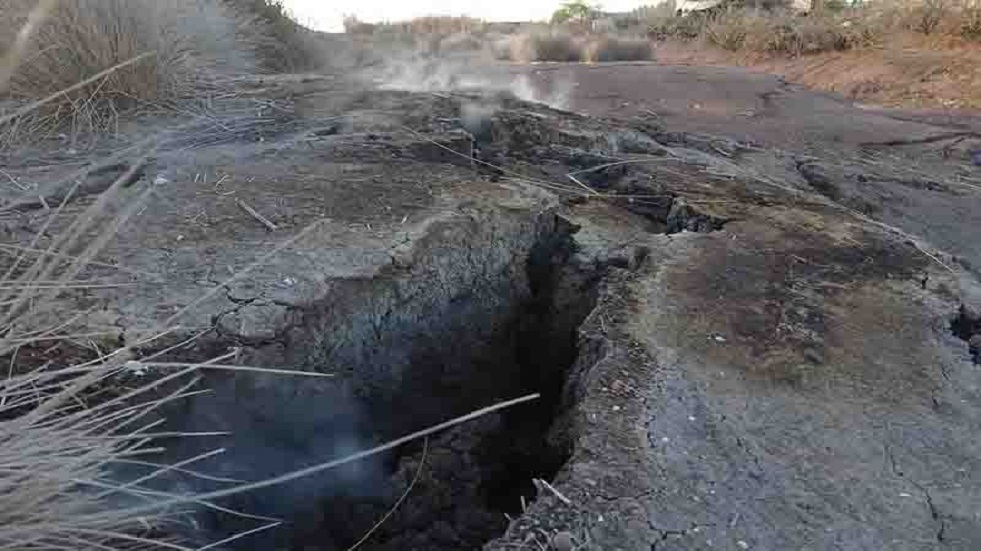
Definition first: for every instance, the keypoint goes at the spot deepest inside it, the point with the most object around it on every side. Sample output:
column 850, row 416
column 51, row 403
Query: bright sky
column 326, row 15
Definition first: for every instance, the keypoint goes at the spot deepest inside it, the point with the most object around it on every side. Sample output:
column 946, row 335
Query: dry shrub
column 731, row 30
column 191, row 46
column 785, row 33
column 279, row 42
column 64, row 425
column 556, row 46
column 612, row 48
column 546, row 46
column 191, row 43
column 680, row 27
column 971, row 23
column 837, row 27
column 953, row 18
column 796, row 36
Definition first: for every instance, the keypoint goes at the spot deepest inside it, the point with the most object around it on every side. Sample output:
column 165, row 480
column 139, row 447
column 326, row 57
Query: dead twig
column 236, row 368
column 590, row 190
column 554, row 492
column 422, row 463
column 262, row 219
column 83, row 520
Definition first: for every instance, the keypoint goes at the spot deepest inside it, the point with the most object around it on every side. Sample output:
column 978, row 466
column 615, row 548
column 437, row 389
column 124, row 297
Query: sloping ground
column 910, row 72
column 731, row 352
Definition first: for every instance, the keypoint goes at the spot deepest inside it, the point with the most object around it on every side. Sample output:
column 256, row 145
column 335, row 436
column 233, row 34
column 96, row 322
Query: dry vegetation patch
column 922, row 53
column 182, row 49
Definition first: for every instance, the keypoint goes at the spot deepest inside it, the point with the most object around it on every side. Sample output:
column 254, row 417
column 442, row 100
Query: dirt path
column 737, row 103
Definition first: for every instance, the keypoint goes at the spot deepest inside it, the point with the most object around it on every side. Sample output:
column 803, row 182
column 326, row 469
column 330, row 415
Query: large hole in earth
column 966, row 325
column 486, row 311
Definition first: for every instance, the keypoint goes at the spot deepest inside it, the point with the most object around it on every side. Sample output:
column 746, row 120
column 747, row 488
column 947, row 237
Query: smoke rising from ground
column 472, row 72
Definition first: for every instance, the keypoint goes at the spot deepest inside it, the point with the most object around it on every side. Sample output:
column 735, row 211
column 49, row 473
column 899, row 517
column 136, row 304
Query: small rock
column 562, row 541
column 160, row 180
column 742, row 544
column 719, row 338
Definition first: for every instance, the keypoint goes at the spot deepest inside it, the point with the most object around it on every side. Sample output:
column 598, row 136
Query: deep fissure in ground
column 472, row 476
column 966, row 325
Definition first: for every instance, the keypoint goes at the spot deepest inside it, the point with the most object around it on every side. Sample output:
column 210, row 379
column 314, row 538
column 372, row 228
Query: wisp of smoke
column 470, row 72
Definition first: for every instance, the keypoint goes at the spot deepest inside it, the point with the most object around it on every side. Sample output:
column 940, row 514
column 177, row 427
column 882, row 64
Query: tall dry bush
column 188, row 46
column 561, row 46
column 615, row 48
column 279, row 42
column 546, row 46
column 189, row 40
column 787, row 33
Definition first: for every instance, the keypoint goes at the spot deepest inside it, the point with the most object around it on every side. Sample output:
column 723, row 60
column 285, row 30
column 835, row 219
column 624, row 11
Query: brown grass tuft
column 189, row 43
column 278, row 41
column 189, row 48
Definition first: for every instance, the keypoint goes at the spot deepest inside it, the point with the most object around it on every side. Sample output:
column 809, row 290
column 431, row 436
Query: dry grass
column 613, row 48
column 781, row 33
column 60, row 431
column 549, row 46
column 186, row 47
column 912, row 70
column 280, row 43
column 521, row 42
column 895, row 53
column 190, row 43
column 784, row 33
column 561, row 46
column 189, row 47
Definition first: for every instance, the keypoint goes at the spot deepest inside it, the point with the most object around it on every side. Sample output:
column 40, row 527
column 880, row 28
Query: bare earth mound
column 737, row 347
